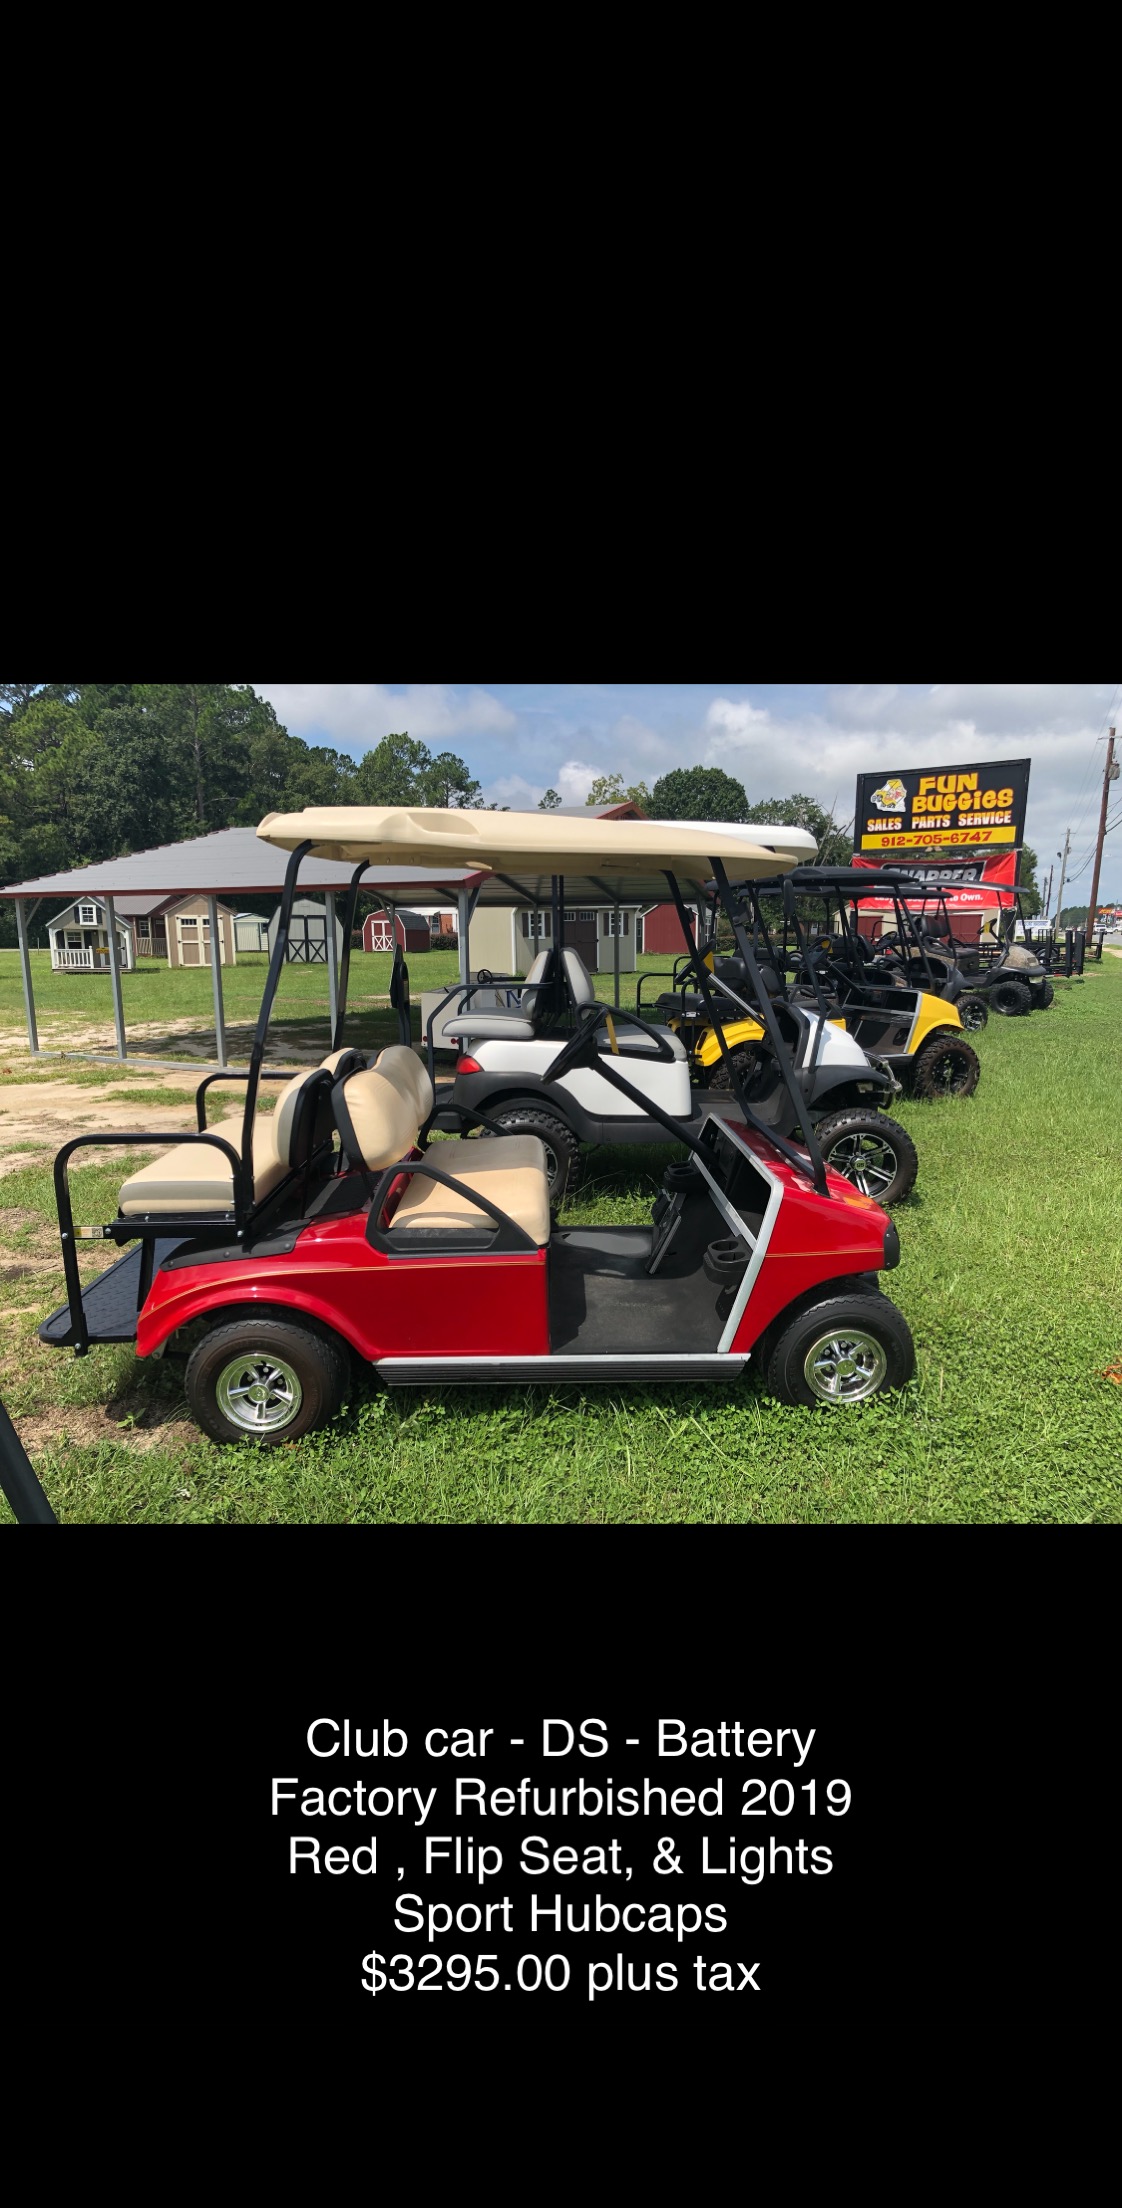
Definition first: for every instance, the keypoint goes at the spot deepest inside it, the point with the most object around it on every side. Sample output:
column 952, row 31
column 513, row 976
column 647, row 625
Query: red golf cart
column 272, row 1250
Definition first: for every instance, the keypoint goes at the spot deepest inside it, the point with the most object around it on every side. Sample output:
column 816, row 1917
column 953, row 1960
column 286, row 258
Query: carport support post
column 115, row 978
column 25, row 969
column 463, row 902
column 615, row 959
column 332, row 960
column 216, row 978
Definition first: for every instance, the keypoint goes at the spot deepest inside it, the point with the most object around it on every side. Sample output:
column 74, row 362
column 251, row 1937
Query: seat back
column 378, row 1113
column 300, row 1124
column 532, row 987
column 399, row 1064
column 579, row 980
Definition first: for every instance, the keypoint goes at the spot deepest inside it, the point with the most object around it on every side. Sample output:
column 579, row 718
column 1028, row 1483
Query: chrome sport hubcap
column 845, row 1368
column 262, row 1394
column 867, row 1160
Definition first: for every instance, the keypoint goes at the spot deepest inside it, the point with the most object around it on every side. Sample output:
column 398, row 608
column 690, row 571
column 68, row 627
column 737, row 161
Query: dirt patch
column 95, row 1423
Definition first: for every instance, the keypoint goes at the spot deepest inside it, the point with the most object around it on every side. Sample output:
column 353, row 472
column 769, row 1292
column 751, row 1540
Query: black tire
column 288, row 1361
column 865, row 1147
column 947, row 1065
column 973, row 1011
column 1043, row 995
column 744, row 1063
column 878, row 1333
column 563, row 1159
column 1012, row 999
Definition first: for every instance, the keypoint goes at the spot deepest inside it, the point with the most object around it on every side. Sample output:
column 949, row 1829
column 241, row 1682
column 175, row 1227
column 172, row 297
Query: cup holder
column 682, row 1180
column 724, row 1262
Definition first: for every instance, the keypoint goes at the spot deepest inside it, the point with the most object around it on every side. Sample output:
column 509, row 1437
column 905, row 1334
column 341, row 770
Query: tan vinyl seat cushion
column 196, row 1177
column 508, row 1169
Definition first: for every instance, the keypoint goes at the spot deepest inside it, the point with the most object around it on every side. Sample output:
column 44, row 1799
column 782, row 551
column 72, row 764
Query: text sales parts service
column 936, row 808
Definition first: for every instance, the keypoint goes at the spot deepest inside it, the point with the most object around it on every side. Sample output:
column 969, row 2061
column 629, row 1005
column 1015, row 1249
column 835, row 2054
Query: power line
column 1088, row 783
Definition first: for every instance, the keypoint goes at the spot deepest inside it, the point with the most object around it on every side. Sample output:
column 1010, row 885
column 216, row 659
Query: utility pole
column 1063, row 875
column 1048, row 894
column 1109, row 776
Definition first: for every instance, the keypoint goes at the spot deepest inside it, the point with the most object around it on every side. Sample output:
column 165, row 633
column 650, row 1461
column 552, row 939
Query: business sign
column 943, row 808
column 971, row 885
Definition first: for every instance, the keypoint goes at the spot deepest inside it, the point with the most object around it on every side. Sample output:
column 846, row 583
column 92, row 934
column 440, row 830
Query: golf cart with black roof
column 275, row 1253
column 918, row 1034
column 1007, row 977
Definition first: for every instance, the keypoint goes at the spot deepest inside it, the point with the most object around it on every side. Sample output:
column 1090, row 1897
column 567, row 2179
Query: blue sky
column 520, row 738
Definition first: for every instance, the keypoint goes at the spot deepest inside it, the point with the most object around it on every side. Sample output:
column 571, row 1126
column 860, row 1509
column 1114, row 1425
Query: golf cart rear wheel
column 946, row 1066
column 264, row 1380
column 562, row 1149
column 1011, row 998
column 871, row 1151
column 843, row 1349
column 973, row 1011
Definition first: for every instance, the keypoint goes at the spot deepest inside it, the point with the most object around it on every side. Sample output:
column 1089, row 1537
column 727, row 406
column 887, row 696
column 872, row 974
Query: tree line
column 92, row 770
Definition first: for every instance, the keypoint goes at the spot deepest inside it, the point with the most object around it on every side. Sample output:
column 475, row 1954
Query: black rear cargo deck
column 109, row 1302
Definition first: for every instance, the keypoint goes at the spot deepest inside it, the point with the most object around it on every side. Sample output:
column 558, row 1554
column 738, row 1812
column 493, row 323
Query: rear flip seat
column 195, row 1177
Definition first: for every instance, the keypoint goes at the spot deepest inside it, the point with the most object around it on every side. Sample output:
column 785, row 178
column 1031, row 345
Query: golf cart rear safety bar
column 267, row 1074
column 141, row 1229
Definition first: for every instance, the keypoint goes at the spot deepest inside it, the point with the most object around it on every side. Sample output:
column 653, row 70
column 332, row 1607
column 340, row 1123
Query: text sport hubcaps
column 866, row 1160
column 845, row 1368
column 260, row 1393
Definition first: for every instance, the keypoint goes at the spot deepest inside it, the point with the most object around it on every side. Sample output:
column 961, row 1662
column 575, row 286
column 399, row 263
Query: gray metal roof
column 232, row 860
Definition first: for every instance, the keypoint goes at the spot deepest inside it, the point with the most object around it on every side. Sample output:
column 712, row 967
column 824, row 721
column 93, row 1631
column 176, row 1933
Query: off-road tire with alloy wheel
column 842, row 1349
column 870, row 1150
column 973, row 1011
column 1043, row 995
column 563, row 1161
column 265, row 1380
column 1011, row 998
column 946, row 1066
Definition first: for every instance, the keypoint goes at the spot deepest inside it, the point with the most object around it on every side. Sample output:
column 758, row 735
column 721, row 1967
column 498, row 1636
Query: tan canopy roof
column 628, row 858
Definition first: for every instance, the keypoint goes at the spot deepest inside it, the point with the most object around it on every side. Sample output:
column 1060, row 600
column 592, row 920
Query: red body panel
column 813, row 1241
column 455, row 1306
column 472, row 1304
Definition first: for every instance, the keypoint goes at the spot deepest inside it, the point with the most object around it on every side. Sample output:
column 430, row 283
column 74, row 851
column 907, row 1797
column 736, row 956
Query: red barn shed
column 662, row 932
column 411, row 930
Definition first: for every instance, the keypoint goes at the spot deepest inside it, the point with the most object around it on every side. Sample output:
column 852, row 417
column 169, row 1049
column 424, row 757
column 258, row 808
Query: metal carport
column 231, row 862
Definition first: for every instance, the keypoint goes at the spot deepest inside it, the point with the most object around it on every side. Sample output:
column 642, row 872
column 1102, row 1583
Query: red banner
column 979, row 885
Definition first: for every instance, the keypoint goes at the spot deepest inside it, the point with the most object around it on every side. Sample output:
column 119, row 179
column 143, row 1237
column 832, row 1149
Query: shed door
column 381, row 938
column 307, row 939
column 194, row 940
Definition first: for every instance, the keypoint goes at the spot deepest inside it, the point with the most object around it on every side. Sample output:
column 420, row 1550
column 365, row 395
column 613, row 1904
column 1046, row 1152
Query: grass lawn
column 1011, row 1281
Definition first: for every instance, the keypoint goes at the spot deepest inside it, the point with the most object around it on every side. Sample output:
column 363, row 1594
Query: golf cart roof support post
column 332, row 961
column 791, row 912
column 18, row 1480
column 705, row 982
column 115, row 979
column 349, row 911
column 272, row 982
column 25, row 972
column 216, row 979
column 771, row 1025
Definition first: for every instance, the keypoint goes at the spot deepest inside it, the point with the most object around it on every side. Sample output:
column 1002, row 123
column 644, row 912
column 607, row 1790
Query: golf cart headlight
column 891, row 1248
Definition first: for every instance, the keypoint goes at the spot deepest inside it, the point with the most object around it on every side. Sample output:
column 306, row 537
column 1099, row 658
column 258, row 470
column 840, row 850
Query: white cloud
column 574, row 781
column 356, row 715
column 736, row 718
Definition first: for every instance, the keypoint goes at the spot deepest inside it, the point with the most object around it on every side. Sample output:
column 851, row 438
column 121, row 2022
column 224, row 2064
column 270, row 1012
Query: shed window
column 188, row 923
column 537, row 924
column 610, row 919
column 87, row 916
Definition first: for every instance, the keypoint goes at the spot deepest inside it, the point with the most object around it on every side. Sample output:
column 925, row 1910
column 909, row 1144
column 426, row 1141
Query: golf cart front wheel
column 871, row 1151
column 562, row 1149
column 973, row 1011
column 264, row 1380
column 843, row 1349
column 946, row 1066
column 1044, row 995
